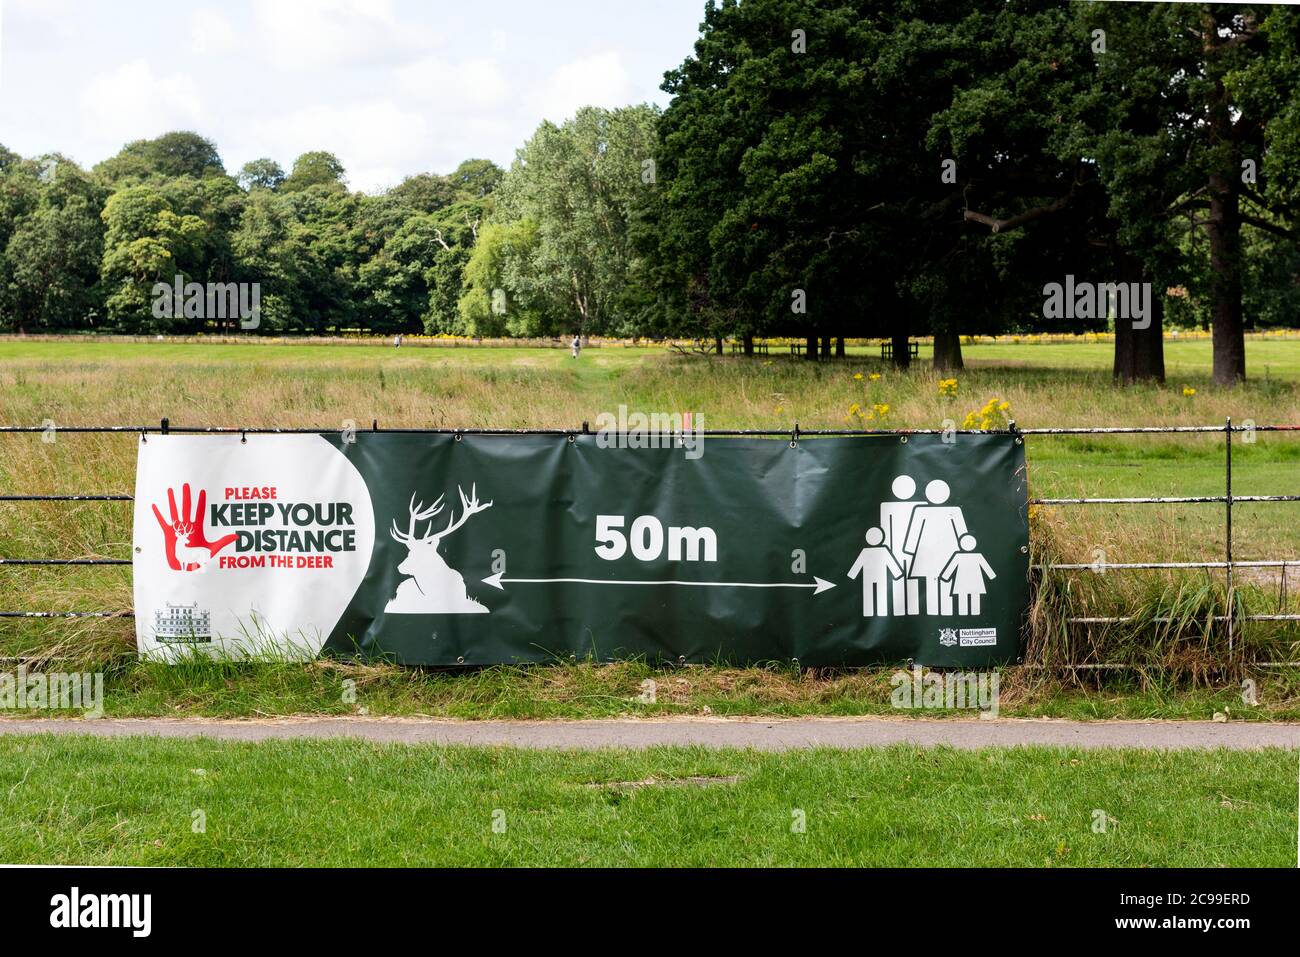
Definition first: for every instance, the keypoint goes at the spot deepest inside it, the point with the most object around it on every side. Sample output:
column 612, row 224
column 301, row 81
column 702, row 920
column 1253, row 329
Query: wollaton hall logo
column 188, row 547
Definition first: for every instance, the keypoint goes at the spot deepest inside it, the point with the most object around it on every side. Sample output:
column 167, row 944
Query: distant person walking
column 577, row 346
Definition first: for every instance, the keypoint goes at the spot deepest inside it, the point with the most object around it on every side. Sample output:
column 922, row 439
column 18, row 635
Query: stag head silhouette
column 422, row 559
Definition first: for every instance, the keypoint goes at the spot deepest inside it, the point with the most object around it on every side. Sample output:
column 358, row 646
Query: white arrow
column 818, row 585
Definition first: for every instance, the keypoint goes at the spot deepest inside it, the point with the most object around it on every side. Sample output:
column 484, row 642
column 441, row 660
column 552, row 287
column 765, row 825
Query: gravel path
column 765, row 734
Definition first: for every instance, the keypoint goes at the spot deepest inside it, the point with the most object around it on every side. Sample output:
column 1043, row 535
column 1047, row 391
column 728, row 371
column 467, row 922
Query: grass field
column 325, row 803
column 110, row 382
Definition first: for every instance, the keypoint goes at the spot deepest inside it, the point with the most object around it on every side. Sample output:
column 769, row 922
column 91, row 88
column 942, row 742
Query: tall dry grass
column 543, row 388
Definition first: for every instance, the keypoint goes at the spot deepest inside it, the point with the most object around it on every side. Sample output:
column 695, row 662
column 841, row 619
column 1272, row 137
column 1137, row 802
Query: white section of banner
column 258, row 557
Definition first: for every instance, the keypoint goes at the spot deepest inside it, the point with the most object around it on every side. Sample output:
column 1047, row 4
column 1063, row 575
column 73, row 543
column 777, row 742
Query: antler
column 418, row 514
column 470, row 506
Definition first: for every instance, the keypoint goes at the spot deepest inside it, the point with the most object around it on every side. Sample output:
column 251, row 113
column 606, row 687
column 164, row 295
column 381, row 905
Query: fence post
column 1227, row 461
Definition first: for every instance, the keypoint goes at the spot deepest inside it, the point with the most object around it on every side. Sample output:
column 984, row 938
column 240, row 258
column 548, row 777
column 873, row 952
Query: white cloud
column 598, row 80
column 394, row 87
column 374, row 139
column 325, row 34
column 133, row 102
column 211, row 33
column 468, row 86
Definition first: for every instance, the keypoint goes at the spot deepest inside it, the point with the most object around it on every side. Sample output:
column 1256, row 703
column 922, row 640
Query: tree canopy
column 825, row 168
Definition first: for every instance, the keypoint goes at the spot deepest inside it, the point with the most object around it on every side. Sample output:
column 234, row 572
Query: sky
column 391, row 87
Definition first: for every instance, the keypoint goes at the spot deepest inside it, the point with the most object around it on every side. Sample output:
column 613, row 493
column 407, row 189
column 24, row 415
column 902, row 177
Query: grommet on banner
column 243, row 438
column 794, row 437
column 458, row 436
column 681, row 660
column 1011, row 427
column 571, row 437
column 460, row 659
column 902, row 439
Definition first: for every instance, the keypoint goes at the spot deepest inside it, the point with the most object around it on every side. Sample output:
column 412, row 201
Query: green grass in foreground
column 92, row 801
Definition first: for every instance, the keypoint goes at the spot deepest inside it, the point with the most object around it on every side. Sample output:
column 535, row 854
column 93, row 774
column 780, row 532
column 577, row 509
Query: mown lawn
column 75, row 800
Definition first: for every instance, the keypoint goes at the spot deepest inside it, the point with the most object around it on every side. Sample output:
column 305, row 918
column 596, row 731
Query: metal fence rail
column 1228, row 564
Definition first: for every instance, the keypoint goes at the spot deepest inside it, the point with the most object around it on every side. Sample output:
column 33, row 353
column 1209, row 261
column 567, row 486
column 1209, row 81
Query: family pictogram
column 921, row 542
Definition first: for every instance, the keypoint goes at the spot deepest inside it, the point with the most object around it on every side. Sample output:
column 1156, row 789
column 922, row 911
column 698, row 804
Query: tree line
column 825, row 169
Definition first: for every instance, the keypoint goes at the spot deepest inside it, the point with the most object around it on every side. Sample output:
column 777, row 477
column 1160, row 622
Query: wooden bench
column 887, row 350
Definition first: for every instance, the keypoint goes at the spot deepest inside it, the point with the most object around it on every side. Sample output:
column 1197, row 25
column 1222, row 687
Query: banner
column 437, row 549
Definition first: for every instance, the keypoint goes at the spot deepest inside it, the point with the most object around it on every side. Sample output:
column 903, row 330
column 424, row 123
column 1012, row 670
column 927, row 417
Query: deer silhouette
column 434, row 587
column 186, row 553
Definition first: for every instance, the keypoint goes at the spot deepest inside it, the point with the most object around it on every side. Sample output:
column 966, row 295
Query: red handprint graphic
column 187, row 546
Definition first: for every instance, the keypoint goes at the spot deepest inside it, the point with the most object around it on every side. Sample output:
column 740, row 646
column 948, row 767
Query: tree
column 798, row 193
column 316, row 168
column 180, row 153
column 146, row 242
column 476, row 178
column 49, row 271
column 264, row 173
column 578, row 183
column 491, row 303
column 1201, row 85
column 425, row 193
column 270, row 247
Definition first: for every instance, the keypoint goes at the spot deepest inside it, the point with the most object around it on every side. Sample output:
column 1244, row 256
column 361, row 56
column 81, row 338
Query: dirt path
column 765, row 734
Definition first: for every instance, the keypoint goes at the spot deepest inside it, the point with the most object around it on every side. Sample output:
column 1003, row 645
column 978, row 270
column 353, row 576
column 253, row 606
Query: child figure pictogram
column 877, row 565
column 967, row 569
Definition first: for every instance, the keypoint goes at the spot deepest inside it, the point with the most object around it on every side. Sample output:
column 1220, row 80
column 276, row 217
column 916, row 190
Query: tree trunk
column 1229, row 334
column 748, row 340
column 902, row 358
column 947, row 351
column 810, row 348
column 826, row 347
column 1140, row 353
column 839, row 347
column 1224, row 229
column 717, row 344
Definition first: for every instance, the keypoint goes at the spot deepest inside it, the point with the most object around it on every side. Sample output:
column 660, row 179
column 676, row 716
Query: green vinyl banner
column 439, row 549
